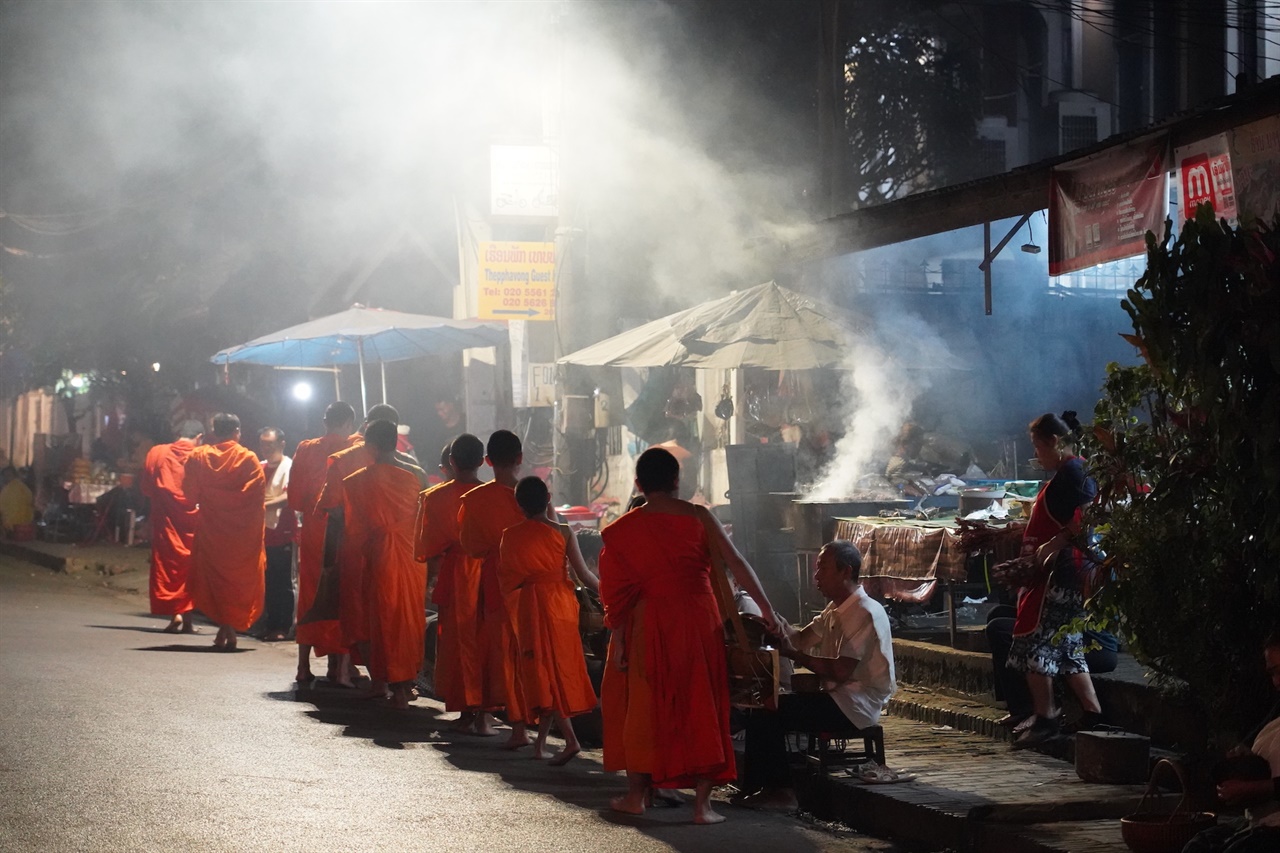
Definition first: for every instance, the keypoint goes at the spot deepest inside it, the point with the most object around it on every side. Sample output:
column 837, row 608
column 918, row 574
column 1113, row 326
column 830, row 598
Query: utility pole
column 831, row 153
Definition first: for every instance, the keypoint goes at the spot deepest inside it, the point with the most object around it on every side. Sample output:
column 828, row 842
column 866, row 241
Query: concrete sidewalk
column 974, row 793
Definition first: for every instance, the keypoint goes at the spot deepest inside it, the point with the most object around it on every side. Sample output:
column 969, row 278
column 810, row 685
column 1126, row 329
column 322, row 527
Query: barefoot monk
column 487, row 511
column 540, row 599
column 228, row 561
column 173, row 526
column 306, row 479
column 379, row 505
column 457, row 588
column 666, row 688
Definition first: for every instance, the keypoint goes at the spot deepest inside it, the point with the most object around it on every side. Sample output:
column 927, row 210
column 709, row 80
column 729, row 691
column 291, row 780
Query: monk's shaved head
column 339, row 413
column 504, row 448
column 467, row 452
column 381, row 436
column 657, row 471
column 190, row 428
column 225, row 426
column 533, row 496
column 383, row 412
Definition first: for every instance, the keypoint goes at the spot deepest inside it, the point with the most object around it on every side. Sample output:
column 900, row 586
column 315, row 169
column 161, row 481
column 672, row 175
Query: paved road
column 116, row 737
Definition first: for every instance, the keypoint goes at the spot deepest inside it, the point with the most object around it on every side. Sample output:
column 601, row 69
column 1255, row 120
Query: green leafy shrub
column 1186, row 449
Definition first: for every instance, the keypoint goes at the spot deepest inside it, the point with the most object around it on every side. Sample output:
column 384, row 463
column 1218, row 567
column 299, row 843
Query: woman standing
column 1056, row 597
column 666, row 691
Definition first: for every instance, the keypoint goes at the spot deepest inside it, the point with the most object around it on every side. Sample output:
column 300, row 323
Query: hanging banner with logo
column 517, row 281
column 1101, row 207
column 1255, row 168
column 1204, row 177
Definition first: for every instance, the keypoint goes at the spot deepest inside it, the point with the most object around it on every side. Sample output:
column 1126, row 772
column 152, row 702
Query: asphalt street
column 114, row 736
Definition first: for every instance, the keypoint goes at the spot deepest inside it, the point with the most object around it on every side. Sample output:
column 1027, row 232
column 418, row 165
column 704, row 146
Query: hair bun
column 1071, row 420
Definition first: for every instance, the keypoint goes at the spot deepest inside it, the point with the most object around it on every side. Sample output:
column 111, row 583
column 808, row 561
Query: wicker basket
column 1153, row 832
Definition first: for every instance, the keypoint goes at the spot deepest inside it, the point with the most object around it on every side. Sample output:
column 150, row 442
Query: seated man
column 849, row 647
column 1241, row 784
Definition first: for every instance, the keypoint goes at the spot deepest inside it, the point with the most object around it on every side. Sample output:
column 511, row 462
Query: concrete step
column 1131, row 697
column 974, row 794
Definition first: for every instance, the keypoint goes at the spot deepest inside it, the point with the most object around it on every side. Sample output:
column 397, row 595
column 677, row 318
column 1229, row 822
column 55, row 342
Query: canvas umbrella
column 362, row 334
column 766, row 326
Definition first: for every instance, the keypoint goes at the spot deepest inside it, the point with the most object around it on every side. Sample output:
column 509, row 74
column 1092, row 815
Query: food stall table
column 903, row 559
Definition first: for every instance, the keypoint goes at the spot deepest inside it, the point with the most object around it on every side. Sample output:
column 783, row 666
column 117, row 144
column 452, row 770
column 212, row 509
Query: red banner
column 1100, row 208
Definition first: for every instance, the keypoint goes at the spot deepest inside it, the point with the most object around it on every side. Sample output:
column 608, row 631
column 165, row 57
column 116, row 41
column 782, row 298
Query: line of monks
column 504, row 574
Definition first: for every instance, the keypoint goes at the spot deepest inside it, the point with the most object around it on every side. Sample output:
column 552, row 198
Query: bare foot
column 707, row 816
column 484, row 726
column 627, row 805
column 174, row 626
column 304, row 676
column 564, row 756
column 516, row 743
column 465, row 723
column 541, row 753
column 189, row 627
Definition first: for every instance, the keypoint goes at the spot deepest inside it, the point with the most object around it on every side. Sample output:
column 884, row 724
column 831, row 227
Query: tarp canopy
column 766, row 326
column 360, row 335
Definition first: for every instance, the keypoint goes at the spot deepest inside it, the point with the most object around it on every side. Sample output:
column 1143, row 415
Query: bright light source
column 77, row 381
column 302, row 392
column 155, row 365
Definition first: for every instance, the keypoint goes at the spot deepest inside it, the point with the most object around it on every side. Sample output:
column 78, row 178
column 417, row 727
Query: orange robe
column 353, row 615
column 173, row 526
column 666, row 706
column 380, row 511
column 540, row 598
column 486, row 511
column 227, row 559
column 457, row 596
column 306, row 479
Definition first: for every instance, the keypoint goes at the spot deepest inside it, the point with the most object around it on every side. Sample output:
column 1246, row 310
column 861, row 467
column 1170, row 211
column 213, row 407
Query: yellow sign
column 517, row 281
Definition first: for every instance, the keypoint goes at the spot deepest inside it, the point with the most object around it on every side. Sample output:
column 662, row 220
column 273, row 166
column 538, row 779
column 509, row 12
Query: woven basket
column 1153, row 832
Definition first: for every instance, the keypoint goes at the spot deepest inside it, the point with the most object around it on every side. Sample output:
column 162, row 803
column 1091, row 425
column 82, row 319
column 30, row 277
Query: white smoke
column 883, row 380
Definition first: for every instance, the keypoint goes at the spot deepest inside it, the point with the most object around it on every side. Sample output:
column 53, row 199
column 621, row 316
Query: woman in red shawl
column 665, row 694
column 1056, row 597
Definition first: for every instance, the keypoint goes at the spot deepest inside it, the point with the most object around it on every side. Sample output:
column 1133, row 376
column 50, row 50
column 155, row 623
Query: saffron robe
column 227, row 558
column 486, row 511
column 306, row 480
column 353, row 615
column 539, row 595
column 173, row 526
column 380, row 510
column 666, row 688
column 458, row 672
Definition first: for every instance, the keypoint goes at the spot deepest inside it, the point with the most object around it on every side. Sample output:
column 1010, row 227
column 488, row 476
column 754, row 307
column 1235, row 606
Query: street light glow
column 77, row 381
column 155, row 365
column 302, row 392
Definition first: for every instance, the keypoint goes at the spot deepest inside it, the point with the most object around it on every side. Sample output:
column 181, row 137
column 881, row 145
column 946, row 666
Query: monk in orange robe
column 227, row 557
column 306, row 479
column 380, row 505
column 486, row 511
column 540, row 597
column 173, row 526
column 666, row 689
column 457, row 588
column 353, row 614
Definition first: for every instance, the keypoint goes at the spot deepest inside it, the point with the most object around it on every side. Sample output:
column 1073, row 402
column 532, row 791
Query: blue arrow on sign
column 528, row 312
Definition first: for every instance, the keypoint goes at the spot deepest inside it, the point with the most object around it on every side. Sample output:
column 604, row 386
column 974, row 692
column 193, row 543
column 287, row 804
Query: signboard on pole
column 1101, row 207
column 517, row 281
column 524, row 181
